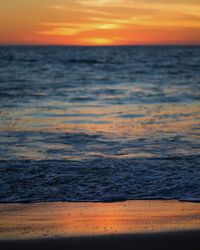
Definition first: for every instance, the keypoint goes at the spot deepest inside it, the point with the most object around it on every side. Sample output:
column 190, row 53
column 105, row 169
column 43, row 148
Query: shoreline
column 138, row 225
column 76, row 219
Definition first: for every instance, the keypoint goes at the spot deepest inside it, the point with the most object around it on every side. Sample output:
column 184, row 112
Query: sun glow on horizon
column 100, row 22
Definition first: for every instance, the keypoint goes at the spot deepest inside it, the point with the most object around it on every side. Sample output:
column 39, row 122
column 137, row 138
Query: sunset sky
column 100, row 22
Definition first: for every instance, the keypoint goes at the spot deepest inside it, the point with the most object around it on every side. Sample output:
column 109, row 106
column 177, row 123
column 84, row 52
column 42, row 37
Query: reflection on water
column 87, row 105
column 125, row 130
column 75, row 219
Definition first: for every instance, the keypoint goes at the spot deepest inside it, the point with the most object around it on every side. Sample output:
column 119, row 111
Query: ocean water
column 99, row 123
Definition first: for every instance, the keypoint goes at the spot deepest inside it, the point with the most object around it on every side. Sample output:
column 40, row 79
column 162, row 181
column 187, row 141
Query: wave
column 100, row 179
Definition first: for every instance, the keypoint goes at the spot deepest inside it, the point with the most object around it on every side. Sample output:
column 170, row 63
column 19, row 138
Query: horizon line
column 90, row 45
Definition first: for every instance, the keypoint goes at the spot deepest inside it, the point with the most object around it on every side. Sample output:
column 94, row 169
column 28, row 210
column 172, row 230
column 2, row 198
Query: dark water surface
column 99, row 123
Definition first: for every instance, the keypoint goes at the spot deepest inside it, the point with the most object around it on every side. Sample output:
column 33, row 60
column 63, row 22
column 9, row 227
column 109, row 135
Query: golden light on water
column 116, row 123
column 76, row 219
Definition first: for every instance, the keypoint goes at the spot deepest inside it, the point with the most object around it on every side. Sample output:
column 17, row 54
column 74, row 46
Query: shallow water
column 99, row 123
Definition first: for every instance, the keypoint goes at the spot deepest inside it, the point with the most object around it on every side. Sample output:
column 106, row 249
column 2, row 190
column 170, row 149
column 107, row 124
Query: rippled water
column 99, row 123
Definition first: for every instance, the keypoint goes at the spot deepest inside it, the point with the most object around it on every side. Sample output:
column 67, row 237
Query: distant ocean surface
column 99, row 123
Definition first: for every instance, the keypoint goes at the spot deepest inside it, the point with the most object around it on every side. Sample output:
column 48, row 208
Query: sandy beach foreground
column 120, row 225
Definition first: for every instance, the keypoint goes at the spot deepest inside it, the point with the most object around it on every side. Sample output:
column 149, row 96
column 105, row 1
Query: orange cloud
column 100, row 22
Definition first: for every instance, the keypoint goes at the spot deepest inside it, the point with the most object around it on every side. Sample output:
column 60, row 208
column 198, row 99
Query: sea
column 99, row 124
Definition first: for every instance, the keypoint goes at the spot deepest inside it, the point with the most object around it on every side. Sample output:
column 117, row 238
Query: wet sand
column 120, row 225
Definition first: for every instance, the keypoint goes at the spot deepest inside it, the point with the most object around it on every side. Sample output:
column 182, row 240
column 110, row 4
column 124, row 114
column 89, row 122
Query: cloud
column 120, row 21
column 56, row 7
column 98, row 40
column 66, row 29
column 117, row 17
column 100, row 2
column 59, row 31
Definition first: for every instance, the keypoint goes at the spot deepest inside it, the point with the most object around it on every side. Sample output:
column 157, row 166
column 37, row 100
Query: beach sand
column 119, row 225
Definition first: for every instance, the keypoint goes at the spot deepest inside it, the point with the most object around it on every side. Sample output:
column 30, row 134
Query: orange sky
column 100, row 22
